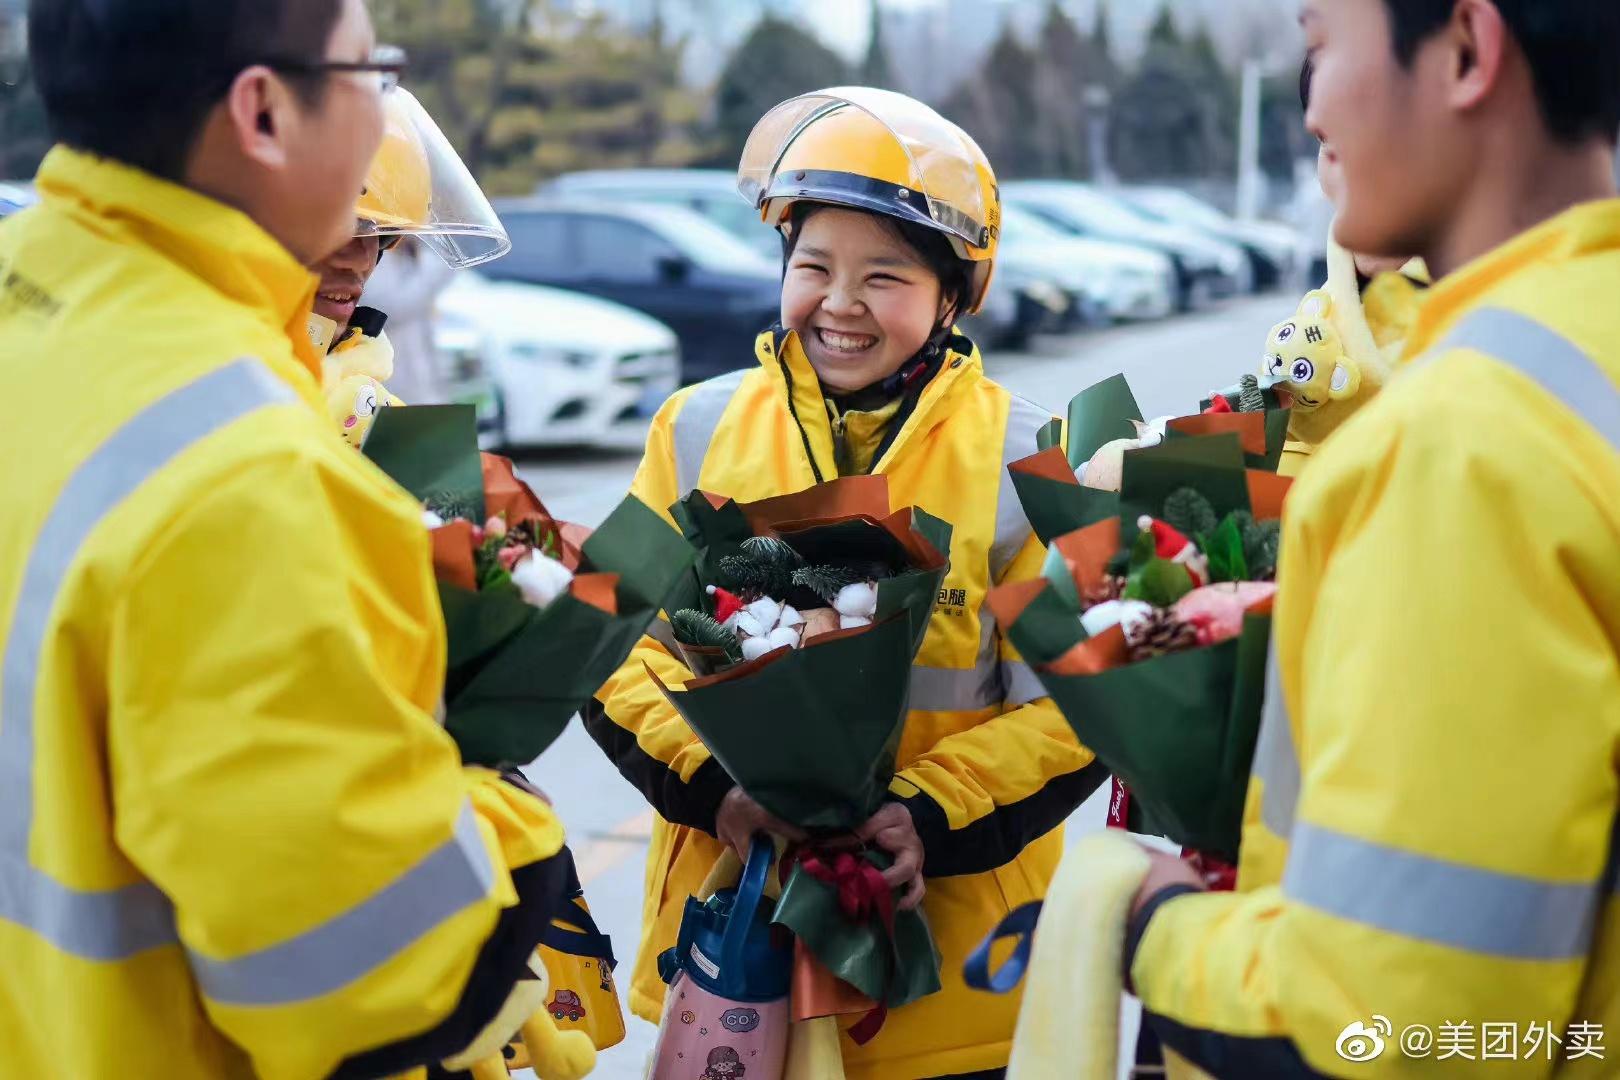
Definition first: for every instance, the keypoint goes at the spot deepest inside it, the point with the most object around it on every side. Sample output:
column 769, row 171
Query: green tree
column 1000, row 108
column 1176, row 115
column 1108, row 73
column 527, row 90
column 876, row 70
column 776, row 61
column 1069, row 65
column 1163, row 30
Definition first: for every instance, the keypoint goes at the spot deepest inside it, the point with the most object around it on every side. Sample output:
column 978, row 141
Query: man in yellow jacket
column 233, row 841
column 1430, row 886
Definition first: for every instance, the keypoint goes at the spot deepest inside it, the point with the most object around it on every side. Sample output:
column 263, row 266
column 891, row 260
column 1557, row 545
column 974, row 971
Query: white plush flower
column 784, row 637
column 857, row 601
column 1111, row 613
column 749, row 626
column 790, row 616
column 766, row 612
column 851, row 622
column 541, row 579
column 755, row 647
column 432, row 520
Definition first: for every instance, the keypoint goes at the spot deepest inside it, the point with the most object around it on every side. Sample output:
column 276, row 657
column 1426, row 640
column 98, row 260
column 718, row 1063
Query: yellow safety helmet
column 419, row 186
column 883, row 152
column 398, row 195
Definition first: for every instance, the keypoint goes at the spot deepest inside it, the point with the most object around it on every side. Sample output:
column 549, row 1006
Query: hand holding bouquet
column 1150, row 628
column 538, row 613
column 801, row 621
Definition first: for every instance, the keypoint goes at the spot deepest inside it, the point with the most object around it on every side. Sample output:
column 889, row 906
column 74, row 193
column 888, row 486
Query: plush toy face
column 1306, row 357
column 353, row 403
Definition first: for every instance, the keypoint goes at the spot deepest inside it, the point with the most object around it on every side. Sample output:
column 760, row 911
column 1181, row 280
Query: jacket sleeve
column 344, row 888
column 979, row 797
column 629, row 717
column 1441, row 643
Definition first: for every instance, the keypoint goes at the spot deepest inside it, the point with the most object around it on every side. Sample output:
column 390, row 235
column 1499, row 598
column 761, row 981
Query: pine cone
column 1160, row 633
column 1112, row 587
column 1251, row 399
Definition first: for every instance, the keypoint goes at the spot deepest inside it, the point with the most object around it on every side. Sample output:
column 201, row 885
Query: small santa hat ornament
column 726, row 604
column 1172, row 544
column 1218, row 405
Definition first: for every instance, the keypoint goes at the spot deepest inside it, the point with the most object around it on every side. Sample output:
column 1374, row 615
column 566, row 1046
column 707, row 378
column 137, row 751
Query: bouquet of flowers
column 800, row 622
column 538, row 613
column 1151, row 624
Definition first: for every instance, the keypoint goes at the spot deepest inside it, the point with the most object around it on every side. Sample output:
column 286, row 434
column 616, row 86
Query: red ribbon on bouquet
column 1119, row 804
column 862, row 895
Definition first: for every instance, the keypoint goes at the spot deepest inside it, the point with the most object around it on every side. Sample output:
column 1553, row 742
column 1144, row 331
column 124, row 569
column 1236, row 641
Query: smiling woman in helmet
column 417, row 186
column 890, row 218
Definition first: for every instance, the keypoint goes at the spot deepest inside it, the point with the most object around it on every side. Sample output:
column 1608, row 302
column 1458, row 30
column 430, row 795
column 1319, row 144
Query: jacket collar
column 782, row 355
column 221, row 246
column 1587, row 229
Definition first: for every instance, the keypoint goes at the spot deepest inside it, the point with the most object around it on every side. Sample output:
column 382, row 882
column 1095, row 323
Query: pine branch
column 826, row 581
column 770, row 551
column 1189, row 513
column 700, row 630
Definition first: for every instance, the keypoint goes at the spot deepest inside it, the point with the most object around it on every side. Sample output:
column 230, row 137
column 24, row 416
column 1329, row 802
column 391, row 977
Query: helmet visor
column 943, row 162
column 419, row 186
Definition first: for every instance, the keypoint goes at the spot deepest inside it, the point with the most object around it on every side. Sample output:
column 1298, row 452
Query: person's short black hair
column 930, row 245
column 134, row 80
column 1571, row 46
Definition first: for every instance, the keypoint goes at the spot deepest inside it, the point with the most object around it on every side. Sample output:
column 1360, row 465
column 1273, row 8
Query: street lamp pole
column 1249, row 179
column 1097, row 100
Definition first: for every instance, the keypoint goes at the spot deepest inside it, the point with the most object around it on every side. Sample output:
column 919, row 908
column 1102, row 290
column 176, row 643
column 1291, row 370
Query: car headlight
column 530, row 352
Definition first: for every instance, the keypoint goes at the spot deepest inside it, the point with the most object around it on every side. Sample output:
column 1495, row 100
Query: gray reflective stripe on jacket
column 1439, row 901
column 1544, row 356
column 695, row 426
column 96, row 924
column 116, row 924
column 989, row 683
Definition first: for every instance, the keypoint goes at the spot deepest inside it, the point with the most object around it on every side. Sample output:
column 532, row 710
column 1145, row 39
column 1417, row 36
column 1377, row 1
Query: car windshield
column 707, row 244
column 1019, row 227
column 1178, row 204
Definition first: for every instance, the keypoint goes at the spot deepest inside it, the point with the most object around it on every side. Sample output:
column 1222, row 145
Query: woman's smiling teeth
column 845, row 343
column 338, row 297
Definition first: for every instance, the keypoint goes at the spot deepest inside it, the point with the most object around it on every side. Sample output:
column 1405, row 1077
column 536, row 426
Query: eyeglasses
column 387, row 62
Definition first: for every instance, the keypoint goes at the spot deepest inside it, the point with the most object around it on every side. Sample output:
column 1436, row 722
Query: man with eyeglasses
column 233, row 841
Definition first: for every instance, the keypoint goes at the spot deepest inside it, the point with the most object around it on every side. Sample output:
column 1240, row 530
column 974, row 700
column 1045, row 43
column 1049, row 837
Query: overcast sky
column 843, row 23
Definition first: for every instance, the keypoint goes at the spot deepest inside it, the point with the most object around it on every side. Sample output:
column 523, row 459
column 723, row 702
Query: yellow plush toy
column 1306, row 356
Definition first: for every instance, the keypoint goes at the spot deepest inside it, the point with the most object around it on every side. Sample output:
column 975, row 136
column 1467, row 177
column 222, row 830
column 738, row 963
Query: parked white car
column 567, row 369
column 1271, row 248
column 1125, row 281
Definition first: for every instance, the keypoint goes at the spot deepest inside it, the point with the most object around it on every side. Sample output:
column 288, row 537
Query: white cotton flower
column 1151, row 433
column 749, row 626
column 1111, row 613
column 432, row 520
column 783, row 637
column 755, row 647
column 851, row 622
column 858, row 600
column 541, row 579
column 790, row 616
column 766, row 611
